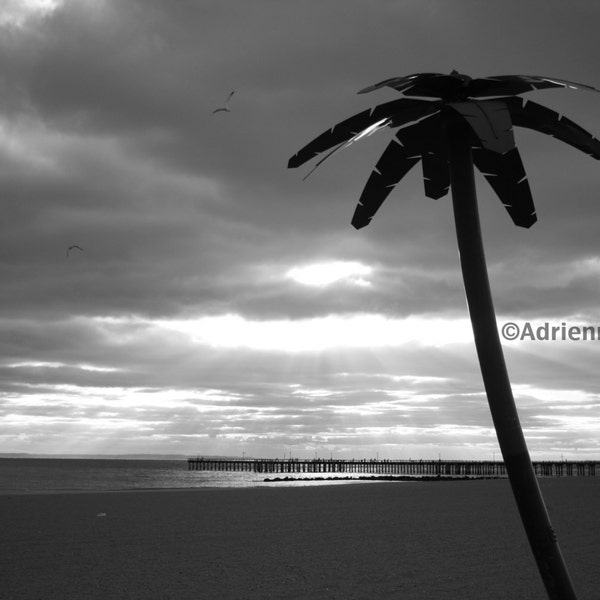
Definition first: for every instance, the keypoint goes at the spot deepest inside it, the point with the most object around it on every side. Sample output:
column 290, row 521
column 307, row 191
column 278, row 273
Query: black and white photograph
column 299, row 300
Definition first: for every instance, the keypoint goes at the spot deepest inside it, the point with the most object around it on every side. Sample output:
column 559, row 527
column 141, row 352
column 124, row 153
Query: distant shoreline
column 96, row 456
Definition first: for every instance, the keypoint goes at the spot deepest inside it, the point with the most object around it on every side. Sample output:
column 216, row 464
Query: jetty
column 442, row 468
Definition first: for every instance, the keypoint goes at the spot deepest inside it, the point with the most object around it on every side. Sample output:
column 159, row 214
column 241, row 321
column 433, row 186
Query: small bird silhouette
column 226, row 107
column 73, row 247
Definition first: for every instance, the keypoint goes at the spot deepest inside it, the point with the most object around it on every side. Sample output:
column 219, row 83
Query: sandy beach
column 423, row 540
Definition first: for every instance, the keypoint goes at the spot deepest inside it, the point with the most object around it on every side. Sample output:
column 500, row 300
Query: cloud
column 324, row 274
column 221, row 301
column 18, row 12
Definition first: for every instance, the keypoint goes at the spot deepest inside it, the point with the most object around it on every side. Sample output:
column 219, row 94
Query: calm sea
column 39, row 475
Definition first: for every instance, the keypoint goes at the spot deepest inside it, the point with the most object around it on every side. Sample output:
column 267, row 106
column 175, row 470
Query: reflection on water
column 38, row 475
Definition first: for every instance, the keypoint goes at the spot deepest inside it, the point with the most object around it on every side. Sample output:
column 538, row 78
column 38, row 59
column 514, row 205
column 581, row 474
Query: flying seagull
column 226, row 107
column 73, row 247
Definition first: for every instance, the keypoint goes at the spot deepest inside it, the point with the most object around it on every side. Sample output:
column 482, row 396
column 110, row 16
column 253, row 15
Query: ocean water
column 43, row 475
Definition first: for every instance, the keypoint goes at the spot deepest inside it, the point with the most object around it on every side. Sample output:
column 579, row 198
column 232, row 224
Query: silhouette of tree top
column 490, row 108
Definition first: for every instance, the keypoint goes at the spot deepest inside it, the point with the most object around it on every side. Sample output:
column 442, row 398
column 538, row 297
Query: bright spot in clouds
column 322, row 333
column 16, row 12
column 326, row 273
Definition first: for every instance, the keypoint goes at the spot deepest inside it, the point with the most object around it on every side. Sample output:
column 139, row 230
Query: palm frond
column 490, row 121
column 436, row 175
column 506, row 174
column 377, row 126
column 398, row 112
column 394, row 163
column 455, row 85
column 525, row 113
column 411, row 144
column 507, row 85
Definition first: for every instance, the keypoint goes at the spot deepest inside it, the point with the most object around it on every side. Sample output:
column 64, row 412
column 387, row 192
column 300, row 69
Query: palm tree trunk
column 495, row 376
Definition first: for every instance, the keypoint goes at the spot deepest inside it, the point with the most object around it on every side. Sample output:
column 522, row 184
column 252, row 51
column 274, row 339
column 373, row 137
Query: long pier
column 447, row 468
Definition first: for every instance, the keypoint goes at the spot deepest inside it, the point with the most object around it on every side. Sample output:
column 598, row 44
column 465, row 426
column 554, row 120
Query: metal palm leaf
column 462, row 124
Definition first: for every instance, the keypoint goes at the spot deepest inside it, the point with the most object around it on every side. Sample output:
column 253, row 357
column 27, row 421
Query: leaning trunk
column 495, row 377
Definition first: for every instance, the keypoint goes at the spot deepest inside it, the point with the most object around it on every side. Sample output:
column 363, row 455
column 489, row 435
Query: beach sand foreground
column 416, row 540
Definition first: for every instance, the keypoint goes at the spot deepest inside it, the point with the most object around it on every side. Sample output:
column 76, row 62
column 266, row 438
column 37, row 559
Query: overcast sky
column 223, row 305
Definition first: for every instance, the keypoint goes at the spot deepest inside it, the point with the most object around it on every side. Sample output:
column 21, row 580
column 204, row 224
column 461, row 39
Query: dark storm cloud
column 139, row 75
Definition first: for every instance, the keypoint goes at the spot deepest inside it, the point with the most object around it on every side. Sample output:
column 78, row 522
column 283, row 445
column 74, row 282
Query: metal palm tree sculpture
column 466, row 122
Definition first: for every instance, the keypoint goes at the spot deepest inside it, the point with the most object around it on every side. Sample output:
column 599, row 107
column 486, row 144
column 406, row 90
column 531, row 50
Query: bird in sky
column 226, row 107
column 73, row 247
